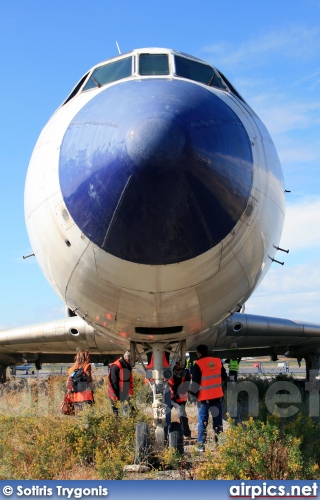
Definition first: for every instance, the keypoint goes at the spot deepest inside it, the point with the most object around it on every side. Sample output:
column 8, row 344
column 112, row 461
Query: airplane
column 154, row 204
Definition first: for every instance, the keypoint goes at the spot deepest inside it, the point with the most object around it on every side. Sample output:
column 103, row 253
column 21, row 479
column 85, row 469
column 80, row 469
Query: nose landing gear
column 162, row 357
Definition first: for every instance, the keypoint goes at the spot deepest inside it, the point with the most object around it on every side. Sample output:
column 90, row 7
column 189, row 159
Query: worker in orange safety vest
column 207, row 376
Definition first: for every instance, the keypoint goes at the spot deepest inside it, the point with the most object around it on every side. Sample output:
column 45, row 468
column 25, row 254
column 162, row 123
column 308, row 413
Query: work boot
column 185, row 426
column 200, row 448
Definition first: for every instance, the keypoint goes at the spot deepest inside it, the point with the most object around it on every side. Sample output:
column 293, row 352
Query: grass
column 38, row 442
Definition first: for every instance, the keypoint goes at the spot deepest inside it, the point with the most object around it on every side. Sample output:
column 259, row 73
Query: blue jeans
column 214, row 408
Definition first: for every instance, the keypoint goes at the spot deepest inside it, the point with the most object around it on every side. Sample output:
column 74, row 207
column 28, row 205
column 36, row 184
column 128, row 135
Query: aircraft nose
column 156, row 141
column 156, row 171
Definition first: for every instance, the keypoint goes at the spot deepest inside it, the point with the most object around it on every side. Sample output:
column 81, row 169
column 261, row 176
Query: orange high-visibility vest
column 180, row 397
column 80, row 397
column 211, row 381
column 111, row 392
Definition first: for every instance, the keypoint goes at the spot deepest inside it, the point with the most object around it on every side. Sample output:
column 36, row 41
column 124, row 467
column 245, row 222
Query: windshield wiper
column 97, row 84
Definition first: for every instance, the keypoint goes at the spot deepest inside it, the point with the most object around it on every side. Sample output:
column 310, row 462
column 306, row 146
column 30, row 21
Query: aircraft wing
column 55, row 341
column 251, row 334
column 261, row 335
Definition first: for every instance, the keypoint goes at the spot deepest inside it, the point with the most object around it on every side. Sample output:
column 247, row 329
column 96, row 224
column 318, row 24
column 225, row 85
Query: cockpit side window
column 153, row 64
column 76, row 89
column 199, row 72
column 109, row 73
column 231, row 87
column 216, row 81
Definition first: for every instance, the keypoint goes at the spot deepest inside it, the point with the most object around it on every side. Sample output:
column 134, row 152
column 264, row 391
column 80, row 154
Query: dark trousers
column 211, row 407
column 233, row 375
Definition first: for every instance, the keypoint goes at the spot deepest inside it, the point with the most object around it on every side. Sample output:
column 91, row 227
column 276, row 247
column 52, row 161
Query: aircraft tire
column 176, row 437
column 143, row 445
column 159, row 437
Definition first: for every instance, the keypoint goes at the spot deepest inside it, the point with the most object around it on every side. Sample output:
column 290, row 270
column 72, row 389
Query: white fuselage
column 117, row 296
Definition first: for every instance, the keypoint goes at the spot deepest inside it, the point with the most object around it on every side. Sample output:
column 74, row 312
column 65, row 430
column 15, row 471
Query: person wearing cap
column 207, row 376
column 120, row 381
column 178, row 386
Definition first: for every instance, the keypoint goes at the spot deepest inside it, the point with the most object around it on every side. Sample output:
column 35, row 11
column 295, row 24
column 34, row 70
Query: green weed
column 37, row 442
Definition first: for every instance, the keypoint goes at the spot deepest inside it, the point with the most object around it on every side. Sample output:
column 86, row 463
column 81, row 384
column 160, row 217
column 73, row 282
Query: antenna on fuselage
column 118, row 47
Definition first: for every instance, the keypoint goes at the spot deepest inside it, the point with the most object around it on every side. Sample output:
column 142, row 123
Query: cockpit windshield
column 197, row 71
column 153, row 64
column 109, row 73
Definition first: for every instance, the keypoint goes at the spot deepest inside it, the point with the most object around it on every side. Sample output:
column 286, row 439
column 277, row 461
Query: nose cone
column 156, row 141
column 156, row 171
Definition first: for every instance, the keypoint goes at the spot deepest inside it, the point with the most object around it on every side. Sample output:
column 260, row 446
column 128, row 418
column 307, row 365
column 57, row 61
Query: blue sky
column 270, row 51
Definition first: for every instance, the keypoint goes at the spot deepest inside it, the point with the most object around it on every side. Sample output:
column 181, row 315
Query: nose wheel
column 176, row 437
column 143, row 443
column 159, row 438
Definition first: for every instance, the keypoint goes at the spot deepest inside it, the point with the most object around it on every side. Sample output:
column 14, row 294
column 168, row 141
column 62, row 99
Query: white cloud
column 283, row 281
column 290, row 153
column 282, row 115
column 292, row 293
column 302, row 223
column 295, row 42
column 312, row 80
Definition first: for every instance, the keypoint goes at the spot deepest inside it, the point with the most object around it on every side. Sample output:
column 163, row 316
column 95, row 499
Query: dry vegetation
column 38, row 442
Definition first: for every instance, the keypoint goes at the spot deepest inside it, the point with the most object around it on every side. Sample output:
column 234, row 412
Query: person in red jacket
column 120, row 381
column 207, row 375
column 79, row 382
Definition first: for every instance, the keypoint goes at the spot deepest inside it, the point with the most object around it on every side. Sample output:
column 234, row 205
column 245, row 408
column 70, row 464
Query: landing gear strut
column 158, row 372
